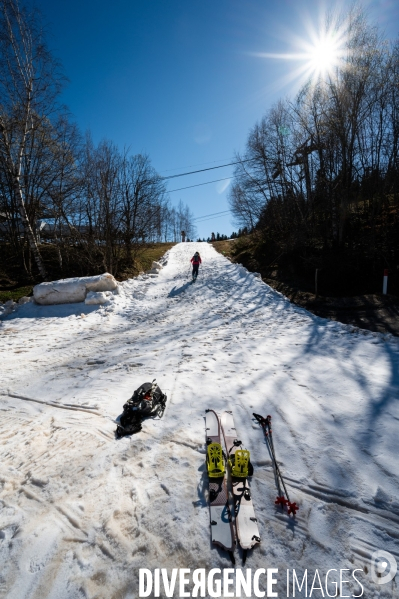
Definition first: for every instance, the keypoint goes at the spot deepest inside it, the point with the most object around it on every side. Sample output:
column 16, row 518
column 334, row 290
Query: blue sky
column 179, row 79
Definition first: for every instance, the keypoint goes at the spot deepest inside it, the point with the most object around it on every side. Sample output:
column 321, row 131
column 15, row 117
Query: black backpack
column 146, row 402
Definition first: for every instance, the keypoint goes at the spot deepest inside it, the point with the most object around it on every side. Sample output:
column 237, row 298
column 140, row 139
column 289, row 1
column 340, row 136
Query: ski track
column 80, row 512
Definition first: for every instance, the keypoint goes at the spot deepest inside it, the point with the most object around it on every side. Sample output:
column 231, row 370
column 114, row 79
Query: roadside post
column 385, row 282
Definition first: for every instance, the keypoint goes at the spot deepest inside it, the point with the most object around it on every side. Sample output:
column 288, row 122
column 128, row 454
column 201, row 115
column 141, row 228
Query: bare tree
column 320, row 174
column 29, row 85
column 142, row 197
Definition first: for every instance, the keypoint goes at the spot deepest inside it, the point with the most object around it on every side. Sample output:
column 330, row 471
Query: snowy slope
column 80, row 512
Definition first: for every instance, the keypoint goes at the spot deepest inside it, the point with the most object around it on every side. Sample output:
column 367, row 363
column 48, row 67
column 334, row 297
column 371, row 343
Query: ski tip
column 233, row 559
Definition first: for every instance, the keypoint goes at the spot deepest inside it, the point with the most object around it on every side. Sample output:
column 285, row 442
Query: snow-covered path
column 80, row 512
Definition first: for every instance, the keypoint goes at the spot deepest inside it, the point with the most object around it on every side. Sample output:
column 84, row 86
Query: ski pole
column 277, row 474
column 291, row 506
column 269, row 436
column 280, row 500
column 268, row 433
column 269, row 425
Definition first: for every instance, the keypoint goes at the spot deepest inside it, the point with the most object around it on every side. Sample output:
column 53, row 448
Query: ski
column 240, row 468
column 222, row 530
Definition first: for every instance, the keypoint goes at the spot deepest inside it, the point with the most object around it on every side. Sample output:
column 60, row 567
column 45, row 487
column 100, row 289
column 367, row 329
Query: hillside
column 82, row 512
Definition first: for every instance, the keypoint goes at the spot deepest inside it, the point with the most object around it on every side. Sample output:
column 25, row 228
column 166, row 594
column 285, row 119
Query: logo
column 383, row 567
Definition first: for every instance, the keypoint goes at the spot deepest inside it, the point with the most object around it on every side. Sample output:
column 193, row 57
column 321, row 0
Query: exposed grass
column 225, row 247
column 15, row 294
column 144, row 259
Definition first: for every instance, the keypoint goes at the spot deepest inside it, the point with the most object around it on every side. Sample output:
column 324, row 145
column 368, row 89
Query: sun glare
column 314, row 55
column 323, row 57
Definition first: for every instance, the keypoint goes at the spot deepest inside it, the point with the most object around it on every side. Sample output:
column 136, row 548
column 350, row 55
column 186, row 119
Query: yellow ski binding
column 215, row 461
column 239, row 463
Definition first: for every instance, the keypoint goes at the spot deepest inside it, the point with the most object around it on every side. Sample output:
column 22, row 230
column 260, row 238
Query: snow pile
column 104, row 282
column 10, row 306
column 68, row 291
column 81, row 513
column 94, row 298
column 156, row 268
column 7, row 308
column 65, row 291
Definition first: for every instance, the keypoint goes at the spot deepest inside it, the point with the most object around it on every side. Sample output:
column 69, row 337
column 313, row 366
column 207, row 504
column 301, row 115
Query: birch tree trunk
column 28, row 88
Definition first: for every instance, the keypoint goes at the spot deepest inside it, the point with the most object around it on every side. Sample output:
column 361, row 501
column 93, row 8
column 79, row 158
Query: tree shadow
column 33, row 310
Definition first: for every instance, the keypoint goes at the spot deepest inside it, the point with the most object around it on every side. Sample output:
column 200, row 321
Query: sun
column 316, row 54
column 322, row 56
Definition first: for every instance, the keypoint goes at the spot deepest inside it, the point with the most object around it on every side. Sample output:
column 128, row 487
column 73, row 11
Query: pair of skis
column 237, row 460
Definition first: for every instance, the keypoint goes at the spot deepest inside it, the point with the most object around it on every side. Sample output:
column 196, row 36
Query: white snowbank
column 94, row 298
column 7, row 308
column 10, row 306
column 104, row 282
column 68, row 291
column 156, row 265
column 156, row 268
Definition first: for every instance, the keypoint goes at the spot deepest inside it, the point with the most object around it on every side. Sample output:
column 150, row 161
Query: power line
column 212, row 214
column 193, row 165
column 199, row 184
column 202, row 170
column 211, row 218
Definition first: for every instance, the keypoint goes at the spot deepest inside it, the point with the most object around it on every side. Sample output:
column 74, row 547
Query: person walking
column 196, row 261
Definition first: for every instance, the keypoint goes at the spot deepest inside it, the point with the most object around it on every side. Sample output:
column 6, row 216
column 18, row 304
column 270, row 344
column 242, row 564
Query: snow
column 69, row 291
column 24, row 300
column 94, row 298
column 7, row 308
column 156, row 265
column 81, row 513
column 104, row 282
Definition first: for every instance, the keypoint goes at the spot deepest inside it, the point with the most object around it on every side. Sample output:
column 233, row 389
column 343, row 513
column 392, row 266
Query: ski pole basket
column 239, row 463
column 215, row 461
